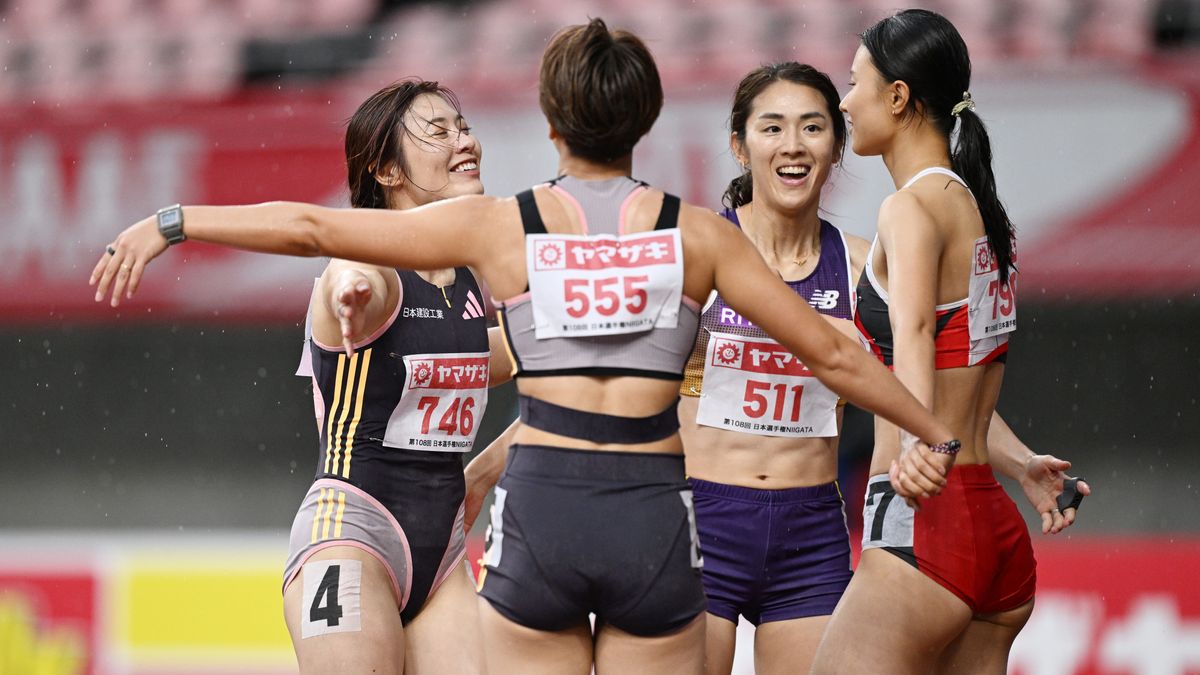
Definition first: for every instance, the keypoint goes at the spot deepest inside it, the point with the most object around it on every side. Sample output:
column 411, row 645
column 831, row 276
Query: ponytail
column 740, row 191
column 927, row 52
column 972, row 159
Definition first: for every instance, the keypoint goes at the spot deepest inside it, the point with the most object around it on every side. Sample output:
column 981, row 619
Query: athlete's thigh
column 983, row 647
column 513, row 649
column 891, row 619
column 444, row 638
column 720, row 640
column 680, row 651
column 342, row 616
column 782, row 647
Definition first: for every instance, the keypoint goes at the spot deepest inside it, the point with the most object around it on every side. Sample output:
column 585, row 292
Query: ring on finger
column 110, row 250
column 125, row 267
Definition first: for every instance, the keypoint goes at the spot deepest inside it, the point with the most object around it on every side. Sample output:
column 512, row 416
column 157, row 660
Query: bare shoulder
column 904, row 210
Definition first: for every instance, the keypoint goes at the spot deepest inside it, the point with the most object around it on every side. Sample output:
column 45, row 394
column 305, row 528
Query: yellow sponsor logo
column 201, row 610
column 24, row 650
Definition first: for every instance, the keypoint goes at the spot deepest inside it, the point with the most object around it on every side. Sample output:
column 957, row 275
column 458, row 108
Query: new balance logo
column 824, row 299
column 474, row 308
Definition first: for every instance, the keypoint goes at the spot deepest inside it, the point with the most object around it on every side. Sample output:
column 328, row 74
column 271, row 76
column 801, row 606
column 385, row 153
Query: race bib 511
column 755, row 385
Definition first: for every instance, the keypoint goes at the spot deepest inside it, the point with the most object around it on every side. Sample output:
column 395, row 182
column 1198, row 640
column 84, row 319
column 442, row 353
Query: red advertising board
column 71, row 179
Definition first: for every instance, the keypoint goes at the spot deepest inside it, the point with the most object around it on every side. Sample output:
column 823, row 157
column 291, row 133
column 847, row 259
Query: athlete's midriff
column 964, row 399
column 624, row 396
column 749, row 460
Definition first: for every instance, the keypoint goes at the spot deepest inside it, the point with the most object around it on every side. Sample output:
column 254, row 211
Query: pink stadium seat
column 422, row 41
column 271, row 17
column 1116, row 28
column 105, row 15
column 135, row 69
column 211, row 64
column 341, row 15
column 1041, row 29
column 978, row 23
column 34, row 16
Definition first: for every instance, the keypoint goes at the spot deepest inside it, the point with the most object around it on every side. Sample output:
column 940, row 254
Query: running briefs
column 772, row 555
column 575, row 532
column 970, row 538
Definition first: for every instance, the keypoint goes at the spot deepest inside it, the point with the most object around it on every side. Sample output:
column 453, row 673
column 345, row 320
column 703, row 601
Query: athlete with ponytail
column 945, row 582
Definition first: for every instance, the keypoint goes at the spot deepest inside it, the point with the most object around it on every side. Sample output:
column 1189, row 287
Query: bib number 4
column 332, row 598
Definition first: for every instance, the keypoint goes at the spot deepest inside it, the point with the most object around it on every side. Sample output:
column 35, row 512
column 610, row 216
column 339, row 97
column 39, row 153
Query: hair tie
column 967, row 103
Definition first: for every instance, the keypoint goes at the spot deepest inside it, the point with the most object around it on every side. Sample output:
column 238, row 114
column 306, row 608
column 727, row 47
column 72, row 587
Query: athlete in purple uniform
column 760, row 432
column 596, row 514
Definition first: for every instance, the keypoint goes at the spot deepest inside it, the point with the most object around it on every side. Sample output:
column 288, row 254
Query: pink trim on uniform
column 690, row 303
column 625, row 205
column 341, row 485
column 332, row 543
column 474, row 303
column 516, row 298
column 450, row 563
column 379, row 331
column 578, row 206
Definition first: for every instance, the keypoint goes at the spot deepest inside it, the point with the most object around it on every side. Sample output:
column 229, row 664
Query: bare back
column 964, row 398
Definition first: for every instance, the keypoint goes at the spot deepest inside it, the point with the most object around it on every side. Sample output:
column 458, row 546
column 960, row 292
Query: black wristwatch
column 170, row 224
column 950, row 447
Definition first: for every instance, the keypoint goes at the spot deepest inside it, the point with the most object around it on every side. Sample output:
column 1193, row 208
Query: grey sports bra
column 655, row 352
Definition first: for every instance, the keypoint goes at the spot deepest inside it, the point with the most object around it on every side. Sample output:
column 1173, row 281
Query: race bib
column 992, row 306
column 756, row 386
column 442, row 404
column 604, row 285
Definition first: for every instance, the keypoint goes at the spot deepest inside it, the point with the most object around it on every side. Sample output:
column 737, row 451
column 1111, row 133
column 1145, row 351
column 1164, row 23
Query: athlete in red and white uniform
column 945, row 588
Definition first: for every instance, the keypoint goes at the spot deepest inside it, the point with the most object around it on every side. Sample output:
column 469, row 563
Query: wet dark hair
column 599, row 89
column 741, row 189
column 923, row 49
column 372, row 141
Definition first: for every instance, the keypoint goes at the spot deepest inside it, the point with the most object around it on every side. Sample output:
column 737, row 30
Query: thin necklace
column 444, row 296
column 816, row 250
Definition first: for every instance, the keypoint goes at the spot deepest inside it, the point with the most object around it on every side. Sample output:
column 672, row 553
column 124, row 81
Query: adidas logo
column 474, row 308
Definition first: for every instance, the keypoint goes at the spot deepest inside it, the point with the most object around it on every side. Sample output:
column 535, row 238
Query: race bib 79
column 992, row 306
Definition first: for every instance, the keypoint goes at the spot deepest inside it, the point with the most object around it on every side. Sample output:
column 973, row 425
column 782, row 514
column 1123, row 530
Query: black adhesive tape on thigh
column 1071, row 497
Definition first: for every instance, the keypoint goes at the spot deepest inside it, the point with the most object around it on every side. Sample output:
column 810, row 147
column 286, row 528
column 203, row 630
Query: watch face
column 172, row 217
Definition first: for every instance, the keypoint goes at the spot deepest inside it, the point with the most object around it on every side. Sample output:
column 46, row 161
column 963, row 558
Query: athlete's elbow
column 307, row 235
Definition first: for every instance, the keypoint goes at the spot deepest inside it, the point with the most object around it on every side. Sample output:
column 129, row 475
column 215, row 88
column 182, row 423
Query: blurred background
column 152, row 458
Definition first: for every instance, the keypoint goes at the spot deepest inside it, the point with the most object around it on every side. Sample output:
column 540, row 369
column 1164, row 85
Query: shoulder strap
column 531, row 219
column 668, row 217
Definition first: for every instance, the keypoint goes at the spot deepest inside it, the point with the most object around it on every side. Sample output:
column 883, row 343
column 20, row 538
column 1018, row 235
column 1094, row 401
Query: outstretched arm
column 749, row 286
column 444, row 234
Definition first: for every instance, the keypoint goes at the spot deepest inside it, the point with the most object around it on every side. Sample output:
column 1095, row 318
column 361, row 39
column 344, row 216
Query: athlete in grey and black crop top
column 612, row 302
